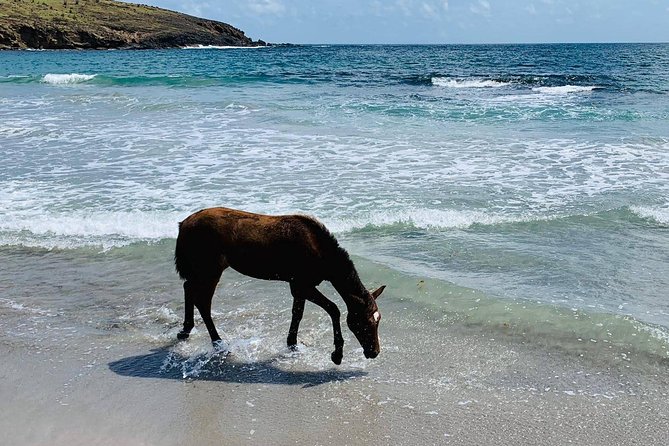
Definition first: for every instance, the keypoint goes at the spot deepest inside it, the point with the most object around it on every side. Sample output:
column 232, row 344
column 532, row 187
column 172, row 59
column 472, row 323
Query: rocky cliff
column 105, row 24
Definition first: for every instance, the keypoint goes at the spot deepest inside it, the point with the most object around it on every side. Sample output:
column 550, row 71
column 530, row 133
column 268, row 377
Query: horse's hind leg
column 189, row 308
column 198, row 293
column 205, row 292
column 298, row 311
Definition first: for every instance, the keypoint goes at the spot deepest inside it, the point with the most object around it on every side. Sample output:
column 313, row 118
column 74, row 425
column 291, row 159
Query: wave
column 542, row 83
column 657, row 214
column 104, row 229
column 139, row 80
column 467, row 83
column 546, row 84
column 62, row 79
column 419, row 219
column 187, row 81
column 435, row 219
column 108, row 230
column 565, row 89
column 538, row 84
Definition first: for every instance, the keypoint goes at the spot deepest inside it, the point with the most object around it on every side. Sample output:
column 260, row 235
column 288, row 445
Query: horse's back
column 287, row 247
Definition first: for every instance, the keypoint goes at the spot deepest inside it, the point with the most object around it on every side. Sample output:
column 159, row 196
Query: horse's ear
column 377, row 292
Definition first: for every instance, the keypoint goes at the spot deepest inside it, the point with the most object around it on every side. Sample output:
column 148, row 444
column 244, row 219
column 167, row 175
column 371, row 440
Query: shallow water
column 60, row 298
column 90, row 356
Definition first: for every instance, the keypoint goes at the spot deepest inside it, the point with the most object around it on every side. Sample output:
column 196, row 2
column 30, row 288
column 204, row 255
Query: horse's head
column 364, row 323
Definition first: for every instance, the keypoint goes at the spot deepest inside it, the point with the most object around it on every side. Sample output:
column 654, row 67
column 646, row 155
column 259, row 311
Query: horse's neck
column 347, row 283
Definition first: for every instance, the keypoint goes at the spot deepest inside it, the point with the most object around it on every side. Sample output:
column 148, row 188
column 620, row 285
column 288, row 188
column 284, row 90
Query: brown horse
column 294, row 248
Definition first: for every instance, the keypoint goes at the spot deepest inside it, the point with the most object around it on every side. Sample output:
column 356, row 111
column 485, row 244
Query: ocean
column 516, row 192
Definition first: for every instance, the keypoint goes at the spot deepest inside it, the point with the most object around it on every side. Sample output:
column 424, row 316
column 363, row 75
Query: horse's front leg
column 312, row 294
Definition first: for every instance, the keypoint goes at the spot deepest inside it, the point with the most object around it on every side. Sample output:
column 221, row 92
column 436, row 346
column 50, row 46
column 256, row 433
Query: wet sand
column 463, row 388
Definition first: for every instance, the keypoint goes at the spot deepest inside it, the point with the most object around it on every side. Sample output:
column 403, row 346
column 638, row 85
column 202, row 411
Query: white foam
column 425, row 219
column 467, row 83
column 162, row 315
column 62, row 79
column 565, row 89
column 192, row 359
column 23, row 308
column 659, row 214
column 80, row 229
column 655, row 331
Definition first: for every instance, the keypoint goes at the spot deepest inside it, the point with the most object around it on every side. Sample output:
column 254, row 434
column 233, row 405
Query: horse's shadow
column 162, row 363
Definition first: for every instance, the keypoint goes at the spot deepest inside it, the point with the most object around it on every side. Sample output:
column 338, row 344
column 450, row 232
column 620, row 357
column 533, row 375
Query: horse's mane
column 325, row 239
column 337, row 257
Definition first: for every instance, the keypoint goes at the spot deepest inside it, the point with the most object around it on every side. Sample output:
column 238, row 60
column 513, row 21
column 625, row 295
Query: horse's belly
column 263, row 274
column 273, row 268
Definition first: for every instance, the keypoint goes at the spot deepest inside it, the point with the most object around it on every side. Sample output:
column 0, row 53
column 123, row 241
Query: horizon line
column 478, row 43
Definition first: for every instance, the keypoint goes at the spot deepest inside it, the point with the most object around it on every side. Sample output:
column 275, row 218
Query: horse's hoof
column 293, row 348
column 336, row 356
column 182, row 335
column 219, row 346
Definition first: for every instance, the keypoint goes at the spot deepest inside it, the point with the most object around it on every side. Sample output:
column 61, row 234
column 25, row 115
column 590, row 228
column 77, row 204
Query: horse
column 297, row 249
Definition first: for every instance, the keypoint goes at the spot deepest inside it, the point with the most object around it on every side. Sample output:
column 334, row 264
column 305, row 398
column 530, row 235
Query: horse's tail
column 181, row 262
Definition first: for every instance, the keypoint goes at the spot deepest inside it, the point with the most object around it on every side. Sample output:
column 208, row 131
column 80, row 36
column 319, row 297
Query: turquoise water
column 527, row 175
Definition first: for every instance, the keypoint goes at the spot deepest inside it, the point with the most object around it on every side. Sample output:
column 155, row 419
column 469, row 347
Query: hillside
column 104, row 24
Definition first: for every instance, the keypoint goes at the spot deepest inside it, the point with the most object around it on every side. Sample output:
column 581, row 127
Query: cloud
column 434, row 9
column 270, row 7
column 481, row 7
column 404, row 6
column 429, row 9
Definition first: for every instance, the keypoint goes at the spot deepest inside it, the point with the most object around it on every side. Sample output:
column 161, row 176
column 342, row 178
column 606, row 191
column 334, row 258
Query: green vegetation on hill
column 61, row 24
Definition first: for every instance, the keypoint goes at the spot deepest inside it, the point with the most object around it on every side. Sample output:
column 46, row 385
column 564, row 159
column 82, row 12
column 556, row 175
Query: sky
column 437, row 21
